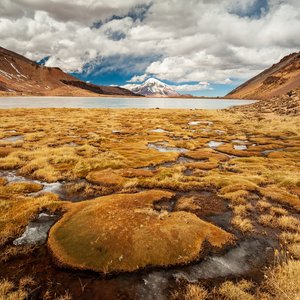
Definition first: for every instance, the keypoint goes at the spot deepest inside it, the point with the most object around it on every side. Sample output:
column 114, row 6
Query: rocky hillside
column 21, row 76
column 276, row 81
column 153, row 88
column 288, row 104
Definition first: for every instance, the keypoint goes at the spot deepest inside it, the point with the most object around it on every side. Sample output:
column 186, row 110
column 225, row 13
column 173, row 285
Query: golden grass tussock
column 66, row 296
column 243, row 185
column 131, row 173
column 209, row 165
column 20, row 188
column 3, row 181
column 191, row 292
column 4, row 151
column 274, row 210
column 172, row 179
column 281, row 196
column 263, row 205
column 9, row 162
column 282, row 282
column 242, row 223
column 128, row 234
column 236, row 291
column 237, row 197
column 206, row 154
column 294, row 250
column 287, row 223
column 8, row 290
column 242, row 209
column 288, row 237
column 106, row 177
column 228, row 149
column 10, row 251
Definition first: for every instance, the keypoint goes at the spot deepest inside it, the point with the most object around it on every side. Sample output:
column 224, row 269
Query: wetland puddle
column 214, row 144
column 247, row 257
column 267, row 152
column 74, row 191
column 36, row 232
column 240, row 147
column 240, row 144
column 159, row 130
column 55, row 187
column 195, row 123
column 12, row 139
column 163, row 147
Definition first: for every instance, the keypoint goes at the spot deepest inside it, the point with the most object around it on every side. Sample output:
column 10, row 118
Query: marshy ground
column 149, row 204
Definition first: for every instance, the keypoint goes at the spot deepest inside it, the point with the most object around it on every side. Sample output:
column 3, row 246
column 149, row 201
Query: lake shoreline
column 120, row 102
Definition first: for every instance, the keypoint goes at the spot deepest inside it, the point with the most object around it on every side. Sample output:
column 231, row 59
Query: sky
column 201, row 47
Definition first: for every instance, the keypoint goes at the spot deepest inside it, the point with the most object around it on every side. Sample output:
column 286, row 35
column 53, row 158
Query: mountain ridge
column 20, row 76
column 275, row 81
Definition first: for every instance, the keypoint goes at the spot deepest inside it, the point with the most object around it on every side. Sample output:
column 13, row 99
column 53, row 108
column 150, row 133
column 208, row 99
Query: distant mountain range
column 278, row 80
column 21, row 76
column 152, row 88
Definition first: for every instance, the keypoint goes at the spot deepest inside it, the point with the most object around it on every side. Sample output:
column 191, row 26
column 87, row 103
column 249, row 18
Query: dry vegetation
column 128, row 234
column 103, row 152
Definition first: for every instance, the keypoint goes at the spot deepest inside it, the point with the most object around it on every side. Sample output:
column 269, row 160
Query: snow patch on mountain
column 152, row 87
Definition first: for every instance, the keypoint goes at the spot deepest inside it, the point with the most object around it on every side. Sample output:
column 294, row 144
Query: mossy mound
column 130, row 173
column 124, row 233
column 9, row 189
column 105, row 177
column 206, row 154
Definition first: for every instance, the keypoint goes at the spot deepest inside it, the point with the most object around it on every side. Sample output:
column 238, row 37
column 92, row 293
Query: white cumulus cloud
column 216, row 41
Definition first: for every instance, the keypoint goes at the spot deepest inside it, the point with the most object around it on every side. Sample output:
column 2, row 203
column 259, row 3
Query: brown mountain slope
column 275, row 81
column 288, row 104
column 21, row 76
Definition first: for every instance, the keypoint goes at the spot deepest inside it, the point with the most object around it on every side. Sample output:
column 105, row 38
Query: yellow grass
column 236, row 291
column 17, row 212
column 124, row 233
column 9, row 291
column 281, row 196
column 73, row 144
column 195, row 292
column 282, row 282
column 242, row 223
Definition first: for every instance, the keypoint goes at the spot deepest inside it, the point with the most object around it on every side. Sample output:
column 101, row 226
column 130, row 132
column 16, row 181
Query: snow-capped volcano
column 152, row 87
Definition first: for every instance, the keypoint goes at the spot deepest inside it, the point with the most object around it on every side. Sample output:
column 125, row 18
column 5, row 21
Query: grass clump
column 8, row 290
column 242, row 223
column 191, row 292
column 128, row 234
column 279, row 195
column 236, row 291
column 282, row 282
